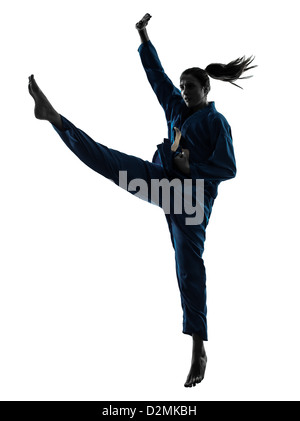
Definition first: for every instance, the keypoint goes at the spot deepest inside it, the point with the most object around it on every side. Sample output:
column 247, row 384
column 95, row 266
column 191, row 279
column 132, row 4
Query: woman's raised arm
column 167, row 94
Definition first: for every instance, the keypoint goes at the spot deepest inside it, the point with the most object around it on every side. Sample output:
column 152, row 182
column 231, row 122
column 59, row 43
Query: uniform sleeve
column 220, row 166
column 167, row 94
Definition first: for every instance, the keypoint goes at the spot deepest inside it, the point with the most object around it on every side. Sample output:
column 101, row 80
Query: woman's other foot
column 198, row 365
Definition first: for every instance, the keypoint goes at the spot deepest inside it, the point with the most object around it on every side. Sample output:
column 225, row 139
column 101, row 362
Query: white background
column 89, row 303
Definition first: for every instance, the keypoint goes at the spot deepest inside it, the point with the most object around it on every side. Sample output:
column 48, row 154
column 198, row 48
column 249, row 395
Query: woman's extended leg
column 107, row 162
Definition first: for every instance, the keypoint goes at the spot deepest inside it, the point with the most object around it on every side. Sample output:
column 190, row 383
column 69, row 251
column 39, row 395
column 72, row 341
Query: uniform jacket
column 206, row 133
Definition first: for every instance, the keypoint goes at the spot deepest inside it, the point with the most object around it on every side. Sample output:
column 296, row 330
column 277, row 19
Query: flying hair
column 232, row 71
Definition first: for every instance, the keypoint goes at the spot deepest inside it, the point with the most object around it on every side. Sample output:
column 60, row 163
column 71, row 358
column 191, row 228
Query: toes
column 187, row 384
column 34, row 88
column 198, row 380
column 194, row 381
column 30, row 84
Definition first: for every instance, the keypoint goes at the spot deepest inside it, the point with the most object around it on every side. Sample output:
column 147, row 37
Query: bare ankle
column 56, row 121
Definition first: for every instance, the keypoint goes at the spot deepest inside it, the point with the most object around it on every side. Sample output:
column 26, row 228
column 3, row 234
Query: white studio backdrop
column 89, row 304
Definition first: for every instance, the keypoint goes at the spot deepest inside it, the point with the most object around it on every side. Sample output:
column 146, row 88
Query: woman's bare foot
column 43, row 110
column 198, row 366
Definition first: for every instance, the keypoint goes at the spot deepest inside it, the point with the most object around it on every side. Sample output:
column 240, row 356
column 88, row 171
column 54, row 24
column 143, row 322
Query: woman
column 199, row 147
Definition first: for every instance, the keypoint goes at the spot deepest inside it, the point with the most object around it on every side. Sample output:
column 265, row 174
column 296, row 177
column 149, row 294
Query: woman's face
column 192, row 92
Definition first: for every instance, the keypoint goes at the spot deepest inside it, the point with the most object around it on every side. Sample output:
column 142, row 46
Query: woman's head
column 194, row 86
column 197, row 80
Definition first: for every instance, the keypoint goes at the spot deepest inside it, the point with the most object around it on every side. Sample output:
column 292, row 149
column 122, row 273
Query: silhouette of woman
column 199, row 147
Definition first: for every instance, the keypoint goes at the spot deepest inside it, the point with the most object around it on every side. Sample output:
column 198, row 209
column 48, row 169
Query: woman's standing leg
column 188, row 242
column 191, row 276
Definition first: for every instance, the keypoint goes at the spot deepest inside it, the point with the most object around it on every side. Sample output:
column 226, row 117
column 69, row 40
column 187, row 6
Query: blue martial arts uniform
column 207, row 135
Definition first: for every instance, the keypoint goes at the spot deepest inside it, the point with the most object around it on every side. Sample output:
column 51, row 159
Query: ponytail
column 232, row 71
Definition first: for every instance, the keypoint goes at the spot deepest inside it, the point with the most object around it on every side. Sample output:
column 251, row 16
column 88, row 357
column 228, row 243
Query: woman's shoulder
column 216, row 118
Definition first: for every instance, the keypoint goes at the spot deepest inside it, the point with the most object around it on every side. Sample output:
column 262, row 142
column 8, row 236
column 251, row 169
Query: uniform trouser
column 187, row 240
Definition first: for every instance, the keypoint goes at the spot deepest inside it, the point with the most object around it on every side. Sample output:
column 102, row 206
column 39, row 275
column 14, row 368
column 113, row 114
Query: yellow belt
column 175, row 145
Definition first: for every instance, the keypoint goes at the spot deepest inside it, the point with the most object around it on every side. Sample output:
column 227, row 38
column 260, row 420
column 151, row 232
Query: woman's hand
column 143, row 22
column 182, row 163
